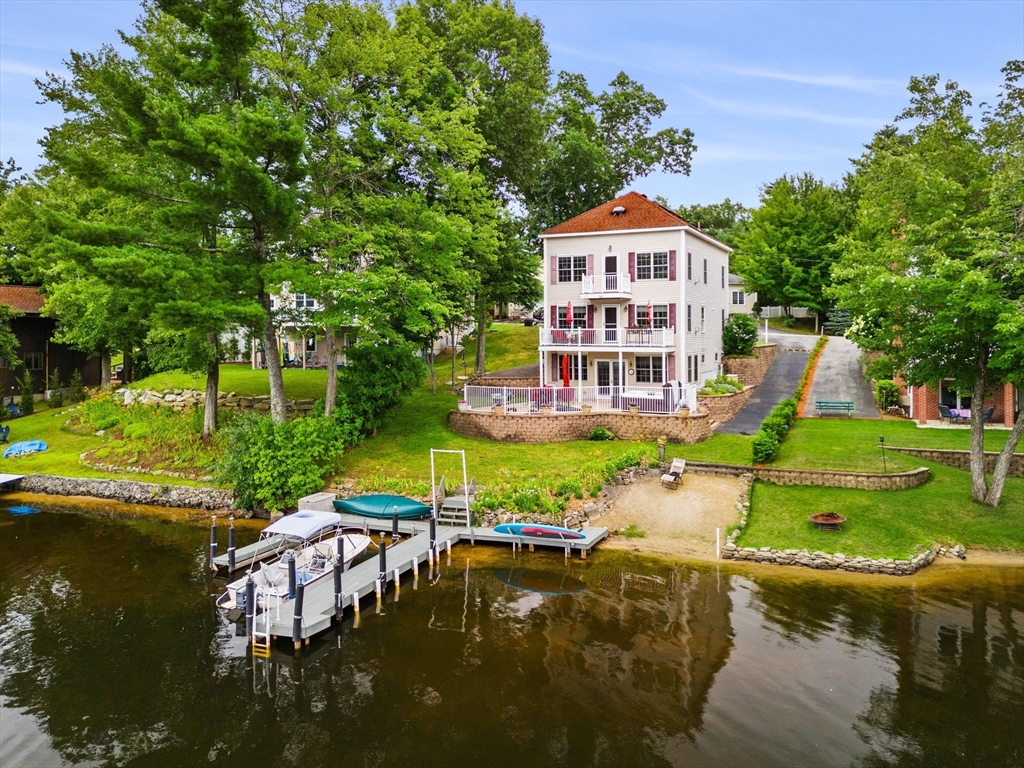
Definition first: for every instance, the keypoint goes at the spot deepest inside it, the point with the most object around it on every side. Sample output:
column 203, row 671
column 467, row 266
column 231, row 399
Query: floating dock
column 9, row 479
column 320, row 602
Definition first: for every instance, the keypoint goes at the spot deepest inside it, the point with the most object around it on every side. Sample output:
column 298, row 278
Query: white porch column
column 541, row 354
column 622, row 372
column 663, row 373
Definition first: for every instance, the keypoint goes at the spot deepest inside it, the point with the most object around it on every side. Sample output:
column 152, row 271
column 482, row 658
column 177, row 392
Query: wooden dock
column 407, row 555
column 9, row 479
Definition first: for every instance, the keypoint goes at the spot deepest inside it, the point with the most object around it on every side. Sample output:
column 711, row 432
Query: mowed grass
column 63, row 449
column 243, row 380
column 895, row 524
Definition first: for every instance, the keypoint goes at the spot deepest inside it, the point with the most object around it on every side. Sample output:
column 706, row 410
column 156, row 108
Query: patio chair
column 4, row 432
column 945, row 414
column 14, row 409
column 987, row 415
column 671, row 478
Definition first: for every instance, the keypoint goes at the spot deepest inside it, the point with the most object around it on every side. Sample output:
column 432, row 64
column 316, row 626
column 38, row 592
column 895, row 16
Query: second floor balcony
column 607, row 286
column 643, row 337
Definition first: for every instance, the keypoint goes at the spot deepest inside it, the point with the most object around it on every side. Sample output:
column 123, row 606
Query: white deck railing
column 608, row 337
column 653, row 398
column 618, row 284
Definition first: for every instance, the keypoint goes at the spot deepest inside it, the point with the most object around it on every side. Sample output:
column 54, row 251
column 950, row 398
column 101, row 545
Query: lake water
column 111, row 653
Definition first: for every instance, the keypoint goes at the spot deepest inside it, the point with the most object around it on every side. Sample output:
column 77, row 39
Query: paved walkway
column 779, row 382
column 838, row 377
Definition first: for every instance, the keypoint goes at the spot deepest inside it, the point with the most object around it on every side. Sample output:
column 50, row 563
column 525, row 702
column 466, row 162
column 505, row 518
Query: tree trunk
column 995, row 490
column 212, row 385
column 817, row 321
column 277, row 407
column 978, row 487
column 331, row 342
column 105, row 369
column 481, row 339
column 127, row 365
column 430, row 367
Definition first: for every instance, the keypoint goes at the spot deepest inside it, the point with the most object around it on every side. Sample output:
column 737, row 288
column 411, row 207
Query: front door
column 611, row 272
column 607, row 376
column 611, row 323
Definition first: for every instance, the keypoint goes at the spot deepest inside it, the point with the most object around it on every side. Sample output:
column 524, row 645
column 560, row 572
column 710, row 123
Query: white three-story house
column 634, row 296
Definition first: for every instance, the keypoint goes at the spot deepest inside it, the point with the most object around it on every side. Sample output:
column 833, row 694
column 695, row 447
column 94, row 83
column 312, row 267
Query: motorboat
column 311, row 538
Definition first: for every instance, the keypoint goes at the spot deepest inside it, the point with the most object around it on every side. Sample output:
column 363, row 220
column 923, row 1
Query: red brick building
column 924, row 402
column 36, row 349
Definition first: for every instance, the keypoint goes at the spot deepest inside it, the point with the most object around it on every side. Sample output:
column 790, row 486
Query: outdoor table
column 961, row 413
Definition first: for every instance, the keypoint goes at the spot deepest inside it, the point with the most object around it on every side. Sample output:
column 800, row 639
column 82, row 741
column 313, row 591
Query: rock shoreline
column 129, row 491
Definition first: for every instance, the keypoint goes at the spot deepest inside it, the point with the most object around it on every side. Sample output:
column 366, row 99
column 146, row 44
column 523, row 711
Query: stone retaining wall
column 128, row 491
column 562, row 427
column 751, row 370
column 723, row 407
column 962, row 459
column 828, row 478
column 485, row 381
column 180, row 399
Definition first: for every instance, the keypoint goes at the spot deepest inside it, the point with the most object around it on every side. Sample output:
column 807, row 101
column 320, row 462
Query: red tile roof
column 640, row 213
column 22, row 298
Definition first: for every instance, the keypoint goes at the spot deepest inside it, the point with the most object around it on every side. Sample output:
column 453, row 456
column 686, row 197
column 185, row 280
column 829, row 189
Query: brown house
column 36, row 350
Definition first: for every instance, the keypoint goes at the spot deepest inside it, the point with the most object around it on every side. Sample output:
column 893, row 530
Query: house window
column 33, row 361
column 739, row 298
column 3, row 363
column 571, row 269
column 689, row 266
column 702, row 319
column 652, row 266
column 311, row 344
column 723, row 277
column 273, row 303
column 579, row 318
column 302, row 301
column 705, row 271
column 689, row 318
column 723, row 327
column 575, row 362
column 691, row 369
column 649, row 370
column 350, row 340
column 660, row 316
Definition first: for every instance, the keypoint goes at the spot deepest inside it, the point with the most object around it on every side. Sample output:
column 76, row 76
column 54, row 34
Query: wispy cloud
column 8, row 67
column 723, row 153
column 752, row 109
column 843, row 82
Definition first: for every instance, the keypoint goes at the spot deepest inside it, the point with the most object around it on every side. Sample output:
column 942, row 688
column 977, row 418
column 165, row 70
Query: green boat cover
column 383, row 505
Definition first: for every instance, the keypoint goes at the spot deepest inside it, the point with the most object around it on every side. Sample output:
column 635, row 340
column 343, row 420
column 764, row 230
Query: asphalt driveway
column 838, row 377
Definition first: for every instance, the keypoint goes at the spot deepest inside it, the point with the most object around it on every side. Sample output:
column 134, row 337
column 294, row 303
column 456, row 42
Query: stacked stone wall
column 751, row 370
column 563, row 427
column 180, row 399
column 128, row 491
column 723, row 407
column 485, row 381
column 827, row 478
column 962, row 459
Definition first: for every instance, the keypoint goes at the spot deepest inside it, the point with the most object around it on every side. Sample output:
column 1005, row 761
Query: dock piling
column 300, row 593
column 213, row 537
column 231, row 544
column 394, row 527
column 415, row 573
column 383, row 558
column 338, row 610
column 291, row 576
column 448, row 546
column 378, row 590
column 341, row 553
column 250, row 606
column 398, row 583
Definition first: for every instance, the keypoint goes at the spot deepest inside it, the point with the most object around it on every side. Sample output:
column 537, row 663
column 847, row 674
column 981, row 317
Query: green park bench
column 833, row 405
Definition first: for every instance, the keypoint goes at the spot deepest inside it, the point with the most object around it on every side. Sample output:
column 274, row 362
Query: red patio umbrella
column 568, row 314
column 565, row 371
column 650, row 314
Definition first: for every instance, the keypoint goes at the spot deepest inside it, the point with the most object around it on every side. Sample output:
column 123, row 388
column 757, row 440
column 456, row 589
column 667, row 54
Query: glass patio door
column 611, row 323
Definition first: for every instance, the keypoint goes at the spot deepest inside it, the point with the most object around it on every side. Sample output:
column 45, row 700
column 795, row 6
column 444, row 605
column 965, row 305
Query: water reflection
column 111, row 653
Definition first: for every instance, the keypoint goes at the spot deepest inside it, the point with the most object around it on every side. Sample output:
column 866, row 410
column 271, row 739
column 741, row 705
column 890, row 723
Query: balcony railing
column 646, row 398
column 608, row 286
column 655, row 338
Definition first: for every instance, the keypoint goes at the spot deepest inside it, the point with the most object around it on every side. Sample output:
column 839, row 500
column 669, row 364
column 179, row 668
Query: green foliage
column 805, row 379
column 722, row 385
column 56, row 398
column 570, row 486
column 27, row 387
column 271, row 466
column 76, row 387
column 8, row 341
column 882, row 368
column 838, row 322
column 601, row 433
column 374, row 381
column 739, row 335
column 765, row 446
column 632, row 531
column 775, row 428
column 726, row 221
column 887, row 393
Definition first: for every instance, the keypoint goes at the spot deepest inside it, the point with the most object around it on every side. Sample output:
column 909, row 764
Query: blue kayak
column 383, row 506
column 24, row 447
column 538, row 531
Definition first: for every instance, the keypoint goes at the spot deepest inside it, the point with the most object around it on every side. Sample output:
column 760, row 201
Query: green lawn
column 243, row 380
column 804, row 325
column 63, row 449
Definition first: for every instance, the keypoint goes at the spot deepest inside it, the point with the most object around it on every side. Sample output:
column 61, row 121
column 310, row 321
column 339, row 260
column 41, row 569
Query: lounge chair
column 945, row 414
column 671, row 478
column 987, row 415
column 4, row 432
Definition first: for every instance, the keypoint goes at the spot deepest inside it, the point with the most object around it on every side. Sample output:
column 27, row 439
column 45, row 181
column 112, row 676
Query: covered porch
column 655, row 398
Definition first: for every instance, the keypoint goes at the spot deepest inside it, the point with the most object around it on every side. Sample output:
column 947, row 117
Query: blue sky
column 767, row 88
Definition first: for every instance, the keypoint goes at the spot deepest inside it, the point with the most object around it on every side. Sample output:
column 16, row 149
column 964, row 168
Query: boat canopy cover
column 303, row 524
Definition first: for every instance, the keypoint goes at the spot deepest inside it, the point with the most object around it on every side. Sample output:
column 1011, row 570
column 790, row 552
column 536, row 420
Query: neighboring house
column 923, row 402
column 741, row 301
column 609, row 264
column 37, row 352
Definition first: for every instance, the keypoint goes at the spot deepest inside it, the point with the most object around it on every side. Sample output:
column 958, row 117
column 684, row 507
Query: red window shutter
column 590, row 264
column 671, row 315
column 671, row 265
column 670, row 364
column 590, row 315
column 554, row 270
column 632, row 269
column 554, row 316
column 632, row 307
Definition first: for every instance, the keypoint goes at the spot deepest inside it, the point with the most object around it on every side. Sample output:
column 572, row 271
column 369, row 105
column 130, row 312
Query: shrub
column 789, row 322
column 882, row 368
column 776, row 425
column 765, row 446
column 633, row 531
column 601, row 433
column 376, row 377
column 739, row 335
column 137, row 431
column 27, row 386
column 887, row 393
column 76, row 393
column 56, row 397
column 722, row 385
